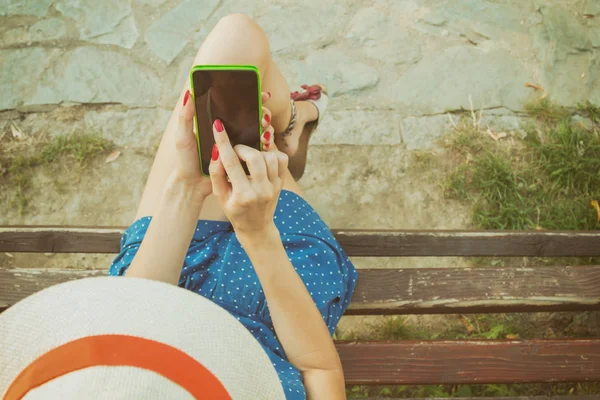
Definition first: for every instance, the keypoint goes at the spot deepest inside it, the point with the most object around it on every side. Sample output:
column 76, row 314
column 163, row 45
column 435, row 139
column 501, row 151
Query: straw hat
column 128, row 338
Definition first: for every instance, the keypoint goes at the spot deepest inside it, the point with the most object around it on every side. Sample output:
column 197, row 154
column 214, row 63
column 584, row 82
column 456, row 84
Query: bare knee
column 240, row 38
column 240, row 22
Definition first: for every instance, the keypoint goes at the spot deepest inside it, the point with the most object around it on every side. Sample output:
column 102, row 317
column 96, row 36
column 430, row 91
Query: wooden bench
column 442, row 290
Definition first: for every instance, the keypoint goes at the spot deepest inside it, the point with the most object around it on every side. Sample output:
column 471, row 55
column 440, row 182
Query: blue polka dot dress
column 217, row 268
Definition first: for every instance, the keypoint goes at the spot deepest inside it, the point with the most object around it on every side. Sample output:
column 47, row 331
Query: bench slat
column 408, row 291
column 57, row 239
column 469, row 243
column 470, row 362
column 375, row 243
column 476, row 290
column 18, row 283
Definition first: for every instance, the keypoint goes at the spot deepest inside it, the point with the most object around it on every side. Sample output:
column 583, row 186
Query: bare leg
column 236, row 39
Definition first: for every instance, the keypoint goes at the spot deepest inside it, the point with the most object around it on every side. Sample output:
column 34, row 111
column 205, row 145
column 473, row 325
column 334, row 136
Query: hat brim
column 139, row 308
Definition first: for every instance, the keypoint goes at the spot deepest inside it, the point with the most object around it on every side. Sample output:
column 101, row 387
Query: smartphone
column 232, row 94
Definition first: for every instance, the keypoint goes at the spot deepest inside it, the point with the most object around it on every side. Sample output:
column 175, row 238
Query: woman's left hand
column 187, row 172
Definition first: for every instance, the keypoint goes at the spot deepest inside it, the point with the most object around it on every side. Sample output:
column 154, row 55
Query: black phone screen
column 232, row 97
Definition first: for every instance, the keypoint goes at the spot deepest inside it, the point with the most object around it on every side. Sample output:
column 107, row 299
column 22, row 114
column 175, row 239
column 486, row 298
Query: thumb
column 185, row 140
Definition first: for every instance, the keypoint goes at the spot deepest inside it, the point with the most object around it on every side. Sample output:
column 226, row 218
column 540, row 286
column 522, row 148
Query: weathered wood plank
column 407, row 291
column 56, row 239
column 18, row 283
column 476, row 290
column 469, row 243
column 355, row 242
column 470, row 362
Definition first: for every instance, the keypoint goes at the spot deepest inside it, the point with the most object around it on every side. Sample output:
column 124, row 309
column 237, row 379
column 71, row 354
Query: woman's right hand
column 248, row 201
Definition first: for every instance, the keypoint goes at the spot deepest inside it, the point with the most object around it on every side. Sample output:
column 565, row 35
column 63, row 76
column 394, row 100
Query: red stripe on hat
column 119, row 350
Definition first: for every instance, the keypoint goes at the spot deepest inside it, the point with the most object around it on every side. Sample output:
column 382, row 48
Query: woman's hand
column 187, row 172
column 248, row 201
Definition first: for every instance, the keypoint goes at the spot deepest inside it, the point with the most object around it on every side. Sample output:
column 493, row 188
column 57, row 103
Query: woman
column 252, row 244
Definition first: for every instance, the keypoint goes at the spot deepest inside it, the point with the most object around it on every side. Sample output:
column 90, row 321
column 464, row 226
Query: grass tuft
column 422, row 160
column 78, row 147
column 544, row 110
column 588, row 110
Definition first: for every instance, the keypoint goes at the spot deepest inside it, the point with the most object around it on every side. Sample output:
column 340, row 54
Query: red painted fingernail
column 186, row 97
column 267, row 118
column 267, row 136
column 215, row 152
column 266, row 146
column 219, row 125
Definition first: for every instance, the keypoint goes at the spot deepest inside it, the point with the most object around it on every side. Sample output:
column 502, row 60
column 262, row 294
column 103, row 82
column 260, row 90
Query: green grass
column 590, row 111
column 546, row 111
column 77, row 147
column 19, row 162
column 422, row 160
column 548, row 184
column 485, row 326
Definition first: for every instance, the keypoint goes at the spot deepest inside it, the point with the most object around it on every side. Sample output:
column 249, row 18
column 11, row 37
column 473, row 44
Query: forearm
column 297, row 321
column 164, row 247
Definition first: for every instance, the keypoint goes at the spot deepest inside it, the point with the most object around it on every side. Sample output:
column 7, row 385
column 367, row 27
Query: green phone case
column 226, row 68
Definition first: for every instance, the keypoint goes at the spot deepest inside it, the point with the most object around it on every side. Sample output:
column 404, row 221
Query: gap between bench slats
column 407, row 291
column 470, row 362
column 356, row 242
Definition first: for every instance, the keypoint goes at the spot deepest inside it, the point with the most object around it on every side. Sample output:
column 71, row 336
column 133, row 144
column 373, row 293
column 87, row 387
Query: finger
column 266, row 119
column 267, row 138
column 282, row 158
column 254, row 160
column 228, row 157
column 218, row 176
column 272, row 163
column 185, row 130
column 266, row 96
column 185, row 140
